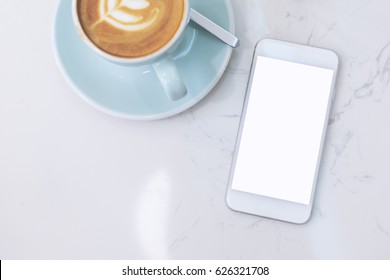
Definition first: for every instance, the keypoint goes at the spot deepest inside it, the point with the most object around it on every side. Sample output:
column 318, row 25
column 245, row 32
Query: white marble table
column 76, row 183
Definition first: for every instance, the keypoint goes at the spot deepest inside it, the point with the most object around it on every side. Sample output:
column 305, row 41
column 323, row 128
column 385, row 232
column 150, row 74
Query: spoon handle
column 214, row 28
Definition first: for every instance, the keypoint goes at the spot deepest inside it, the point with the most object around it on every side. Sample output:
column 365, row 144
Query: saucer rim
column 159, row 116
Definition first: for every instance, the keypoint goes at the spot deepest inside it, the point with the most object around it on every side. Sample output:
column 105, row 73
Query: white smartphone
column 282, row 130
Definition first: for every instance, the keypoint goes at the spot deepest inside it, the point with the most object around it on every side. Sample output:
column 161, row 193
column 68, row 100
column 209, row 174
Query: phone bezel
column 263, row 205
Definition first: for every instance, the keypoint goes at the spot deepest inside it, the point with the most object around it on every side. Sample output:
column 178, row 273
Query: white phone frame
column 267, row 206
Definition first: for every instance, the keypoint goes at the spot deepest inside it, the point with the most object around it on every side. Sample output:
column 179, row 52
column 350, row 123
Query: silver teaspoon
column 214, row 28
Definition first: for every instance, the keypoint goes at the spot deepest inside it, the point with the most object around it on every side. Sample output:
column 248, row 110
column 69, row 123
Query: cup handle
column 170, row 79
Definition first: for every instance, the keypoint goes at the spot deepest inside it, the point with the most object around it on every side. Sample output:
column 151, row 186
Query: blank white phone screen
column 282, row 133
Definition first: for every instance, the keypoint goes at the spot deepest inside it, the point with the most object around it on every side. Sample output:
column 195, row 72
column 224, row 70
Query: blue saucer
column 135, row 92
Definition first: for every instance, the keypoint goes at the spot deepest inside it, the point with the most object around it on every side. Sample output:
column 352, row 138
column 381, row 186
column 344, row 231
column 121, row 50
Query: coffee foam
column 130, row 28
column 128, row 15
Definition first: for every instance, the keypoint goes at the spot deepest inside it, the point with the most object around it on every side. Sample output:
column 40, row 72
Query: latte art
column 130, row 15
column 130, row 28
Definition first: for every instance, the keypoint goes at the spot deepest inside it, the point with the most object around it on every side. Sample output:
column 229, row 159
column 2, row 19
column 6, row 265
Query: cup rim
column 129, row 60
